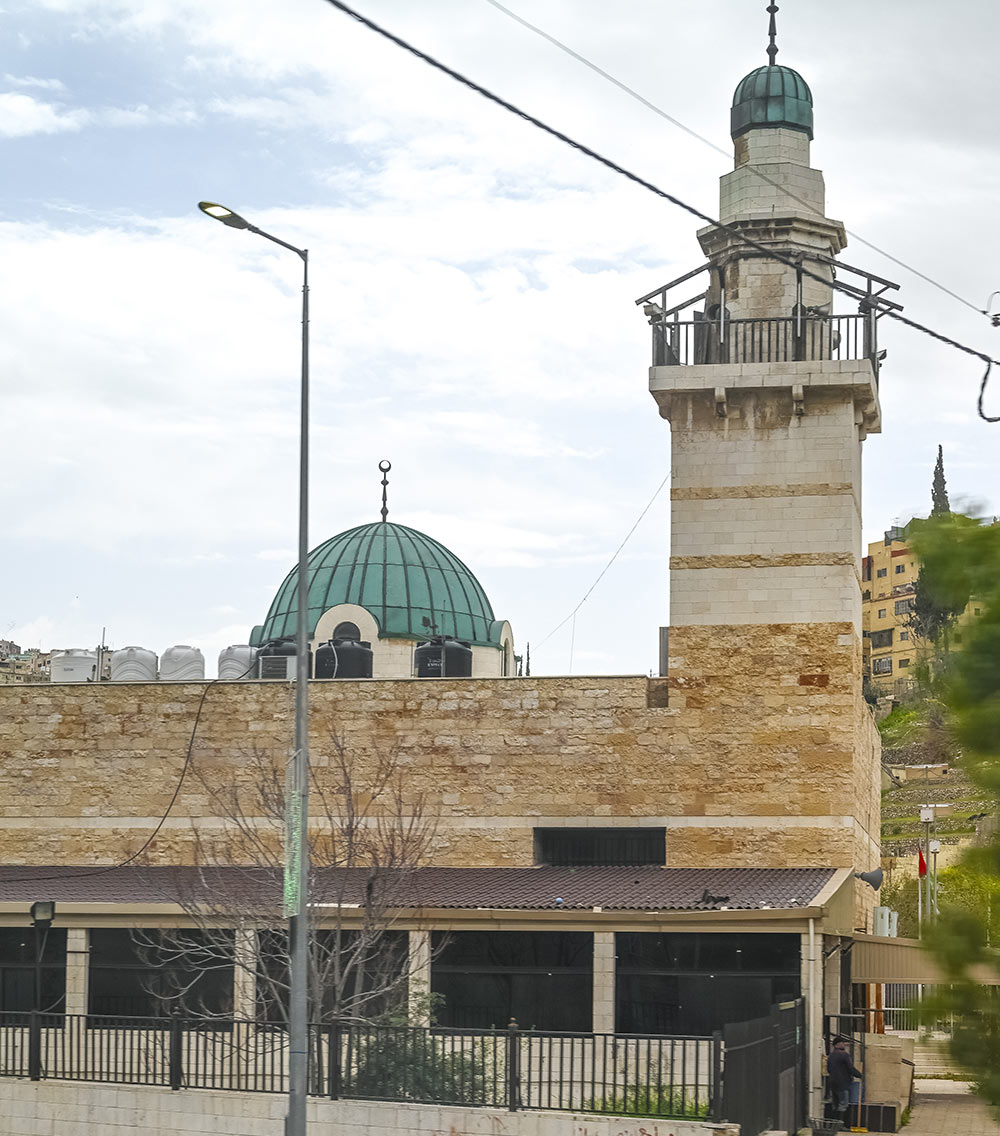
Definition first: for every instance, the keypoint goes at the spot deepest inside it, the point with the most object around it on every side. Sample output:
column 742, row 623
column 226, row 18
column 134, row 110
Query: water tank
column 344, row 658
column 277, row 659
column 73, row 665
column 237, row 661
column 456, row 657
column 182, row 664
column 133, row 664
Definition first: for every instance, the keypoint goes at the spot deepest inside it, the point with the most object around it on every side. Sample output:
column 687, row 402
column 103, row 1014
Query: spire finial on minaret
column 772, row 47
column 384, row 467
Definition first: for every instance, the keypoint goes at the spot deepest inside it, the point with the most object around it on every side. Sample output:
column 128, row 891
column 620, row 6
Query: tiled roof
column 530, row 889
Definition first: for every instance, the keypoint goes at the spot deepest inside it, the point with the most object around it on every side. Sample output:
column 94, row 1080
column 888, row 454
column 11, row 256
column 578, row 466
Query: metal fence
column 785, row 340
column 677, row 1076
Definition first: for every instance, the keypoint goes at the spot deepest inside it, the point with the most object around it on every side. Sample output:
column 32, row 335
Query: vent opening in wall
column 600, row 847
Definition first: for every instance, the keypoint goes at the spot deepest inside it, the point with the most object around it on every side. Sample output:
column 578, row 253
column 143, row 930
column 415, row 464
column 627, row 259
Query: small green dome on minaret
column 772, row 96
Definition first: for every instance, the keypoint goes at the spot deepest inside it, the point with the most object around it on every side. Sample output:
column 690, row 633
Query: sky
column 472, row 287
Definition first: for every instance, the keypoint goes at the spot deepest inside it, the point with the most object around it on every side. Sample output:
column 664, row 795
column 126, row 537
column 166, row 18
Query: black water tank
column 456, row 656
column 284, row 649
column 344, row 658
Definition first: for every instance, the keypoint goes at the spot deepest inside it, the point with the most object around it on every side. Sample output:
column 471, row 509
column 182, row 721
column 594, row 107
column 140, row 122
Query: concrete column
column 244, row 986
column 420, row 977
column 77, row 969
column 812, row 989
column 604, row 982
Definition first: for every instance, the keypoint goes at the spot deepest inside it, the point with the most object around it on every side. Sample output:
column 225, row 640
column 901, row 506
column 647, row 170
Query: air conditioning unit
column 276, row 666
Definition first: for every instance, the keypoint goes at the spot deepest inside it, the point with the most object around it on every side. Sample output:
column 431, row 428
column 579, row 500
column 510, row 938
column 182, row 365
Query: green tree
column 960, row 556
column 939, row 490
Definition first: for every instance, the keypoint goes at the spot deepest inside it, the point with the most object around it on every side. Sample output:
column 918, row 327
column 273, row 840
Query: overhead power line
column 601, row 574
column 647, row 185
column 632, row 93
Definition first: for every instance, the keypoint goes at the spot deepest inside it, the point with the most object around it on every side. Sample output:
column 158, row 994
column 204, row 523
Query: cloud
column 23, row 115
column 34, row 82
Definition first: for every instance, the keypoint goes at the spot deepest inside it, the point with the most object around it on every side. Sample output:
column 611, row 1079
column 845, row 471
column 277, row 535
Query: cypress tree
column 939, row 490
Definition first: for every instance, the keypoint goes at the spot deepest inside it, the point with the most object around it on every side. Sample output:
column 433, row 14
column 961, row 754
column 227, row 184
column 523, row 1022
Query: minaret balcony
column 791, row 339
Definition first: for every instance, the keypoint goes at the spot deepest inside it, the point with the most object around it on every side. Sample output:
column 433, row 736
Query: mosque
column 633, row 854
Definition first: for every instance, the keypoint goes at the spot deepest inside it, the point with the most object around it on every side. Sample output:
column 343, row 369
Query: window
column 903, row 663
column 881, row 572
column 903, row 636
column 347, row 631
column 373, row 972
column 900, row 568
column 17, row 970
column 578, row 847
column 145, row 973
column 881, row 639
column 882, row 666
column 866, row 594
column 975, row 611
column 543, row 979
column 696, row 982
column 881, row 613
column 903, row 606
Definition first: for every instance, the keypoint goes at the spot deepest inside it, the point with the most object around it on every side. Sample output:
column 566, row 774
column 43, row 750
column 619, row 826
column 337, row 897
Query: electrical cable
column 721, row 150
column 86, row 874
column 572, row 614
column 633, row 177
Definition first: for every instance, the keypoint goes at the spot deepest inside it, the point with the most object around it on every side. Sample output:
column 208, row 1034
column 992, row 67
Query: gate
column 763, row 1072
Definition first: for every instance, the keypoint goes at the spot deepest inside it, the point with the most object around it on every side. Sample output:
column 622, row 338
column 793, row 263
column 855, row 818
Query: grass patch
column 649, row 1102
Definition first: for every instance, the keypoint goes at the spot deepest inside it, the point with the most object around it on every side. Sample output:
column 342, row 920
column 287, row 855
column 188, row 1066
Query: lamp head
column 221, row 213
column 42, row 913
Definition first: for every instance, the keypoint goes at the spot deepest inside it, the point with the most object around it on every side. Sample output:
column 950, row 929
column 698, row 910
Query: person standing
column 840, row 1072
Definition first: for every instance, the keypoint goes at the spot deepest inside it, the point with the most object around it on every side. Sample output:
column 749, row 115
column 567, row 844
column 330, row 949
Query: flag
column 921, row 863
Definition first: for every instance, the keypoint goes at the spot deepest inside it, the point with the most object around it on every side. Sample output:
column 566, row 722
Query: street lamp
column 296, row 883
column 42, row 914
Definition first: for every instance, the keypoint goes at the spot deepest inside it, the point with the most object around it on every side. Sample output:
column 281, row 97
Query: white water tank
column 73, row 665
column 236, row 661
column 133, row 664
column 182, row 664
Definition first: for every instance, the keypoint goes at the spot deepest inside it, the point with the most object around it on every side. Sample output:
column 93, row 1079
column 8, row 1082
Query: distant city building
column 888, row 582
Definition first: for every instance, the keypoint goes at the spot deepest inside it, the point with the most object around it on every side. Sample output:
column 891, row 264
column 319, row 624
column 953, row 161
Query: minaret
column 769, row 397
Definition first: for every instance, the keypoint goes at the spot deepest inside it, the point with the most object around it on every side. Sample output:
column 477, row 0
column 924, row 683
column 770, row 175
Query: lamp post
column 296, row 882
column 42, row 914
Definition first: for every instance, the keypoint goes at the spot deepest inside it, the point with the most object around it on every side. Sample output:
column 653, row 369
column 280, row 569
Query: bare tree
column 367, row 836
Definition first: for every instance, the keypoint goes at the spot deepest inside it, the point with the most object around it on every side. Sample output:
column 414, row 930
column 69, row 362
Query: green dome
column 412, row 585
column 772, row 96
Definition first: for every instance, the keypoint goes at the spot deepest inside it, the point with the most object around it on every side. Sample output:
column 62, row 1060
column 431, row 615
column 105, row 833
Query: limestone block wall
column 782, row 157
column 739, row 773
column 67, row 1108
column 769, row 529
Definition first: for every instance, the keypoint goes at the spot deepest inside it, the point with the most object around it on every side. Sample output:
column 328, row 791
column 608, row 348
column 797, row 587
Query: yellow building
column 889, row 578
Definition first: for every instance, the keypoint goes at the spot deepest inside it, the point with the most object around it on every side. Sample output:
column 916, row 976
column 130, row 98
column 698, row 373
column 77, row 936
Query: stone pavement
column 948, row 1108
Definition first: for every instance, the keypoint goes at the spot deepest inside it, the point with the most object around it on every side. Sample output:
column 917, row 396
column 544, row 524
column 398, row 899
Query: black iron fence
column 786, row 340
column 677, row 1076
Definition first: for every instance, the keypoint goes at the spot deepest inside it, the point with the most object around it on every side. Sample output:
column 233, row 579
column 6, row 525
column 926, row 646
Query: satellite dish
column 873, row 879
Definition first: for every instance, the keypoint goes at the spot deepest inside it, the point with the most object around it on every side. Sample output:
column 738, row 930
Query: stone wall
column 762, row 764
column 59, row 1108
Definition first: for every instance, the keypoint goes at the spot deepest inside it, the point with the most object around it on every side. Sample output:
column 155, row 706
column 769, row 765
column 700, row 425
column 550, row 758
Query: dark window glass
column 697, row 982
column 881, row 639
column 150, row 973
column 347, row 631
column 18, row 947
column 578, row 847
column 373, row 979
column 543, row 979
